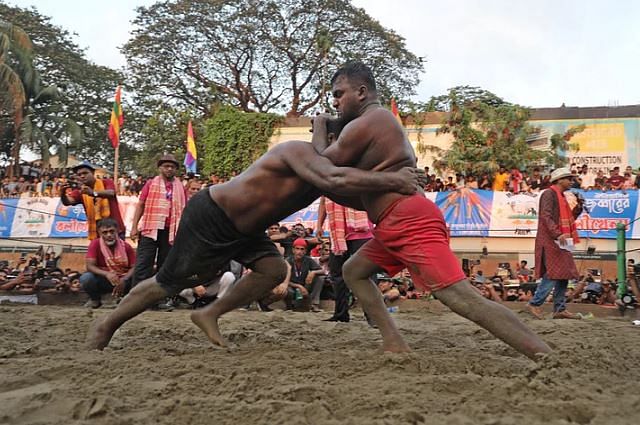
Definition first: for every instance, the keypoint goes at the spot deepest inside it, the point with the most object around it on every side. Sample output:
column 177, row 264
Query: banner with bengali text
column 469, row 213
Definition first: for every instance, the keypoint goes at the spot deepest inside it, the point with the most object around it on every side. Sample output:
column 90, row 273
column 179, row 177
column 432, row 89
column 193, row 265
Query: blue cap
column 84, row 164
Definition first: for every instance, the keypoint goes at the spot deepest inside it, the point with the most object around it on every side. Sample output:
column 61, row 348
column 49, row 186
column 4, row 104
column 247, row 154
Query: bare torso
column 385, row 148
column 264, row 193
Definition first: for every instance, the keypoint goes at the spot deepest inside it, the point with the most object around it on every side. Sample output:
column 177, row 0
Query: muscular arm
column 323, row 174
column 91, row 266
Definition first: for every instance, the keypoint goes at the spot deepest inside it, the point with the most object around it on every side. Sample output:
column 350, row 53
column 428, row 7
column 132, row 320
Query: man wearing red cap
column 306, row 275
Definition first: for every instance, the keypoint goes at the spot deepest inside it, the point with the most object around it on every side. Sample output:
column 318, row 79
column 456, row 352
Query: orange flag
column 394, row 110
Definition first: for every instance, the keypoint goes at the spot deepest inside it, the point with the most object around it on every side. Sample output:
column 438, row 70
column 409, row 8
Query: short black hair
column 106, row 222
column 356, row 71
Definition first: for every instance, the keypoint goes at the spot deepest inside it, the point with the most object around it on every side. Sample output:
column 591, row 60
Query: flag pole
column 115, row 167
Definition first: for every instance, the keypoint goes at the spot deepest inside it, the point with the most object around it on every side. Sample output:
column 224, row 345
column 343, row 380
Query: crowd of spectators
column 507, row 284
column 48, row 182
column 38, row 272
column 535, row 179
column 41, row 273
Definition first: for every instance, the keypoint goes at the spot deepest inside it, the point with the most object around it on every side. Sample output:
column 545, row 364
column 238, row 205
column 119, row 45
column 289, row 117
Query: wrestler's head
column 353, row 85
column 334, row 127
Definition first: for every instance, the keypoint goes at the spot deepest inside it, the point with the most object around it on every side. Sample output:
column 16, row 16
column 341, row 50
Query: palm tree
column 15, row 63
column 37, row 111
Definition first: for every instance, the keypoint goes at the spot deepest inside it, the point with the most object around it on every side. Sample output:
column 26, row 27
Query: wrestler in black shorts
column 206, row 241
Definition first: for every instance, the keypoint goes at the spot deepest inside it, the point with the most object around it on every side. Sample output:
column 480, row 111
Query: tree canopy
column 489, row 132
column 261, row 56
column 75, row 112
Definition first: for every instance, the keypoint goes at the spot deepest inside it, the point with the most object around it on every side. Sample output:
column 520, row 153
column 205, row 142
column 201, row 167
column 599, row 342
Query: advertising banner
column 475, row 213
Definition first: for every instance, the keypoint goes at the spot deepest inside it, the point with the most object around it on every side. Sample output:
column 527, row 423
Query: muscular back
column 264, row 193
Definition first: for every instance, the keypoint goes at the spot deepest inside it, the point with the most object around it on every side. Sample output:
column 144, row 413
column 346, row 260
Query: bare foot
column 209, row 325
column 396, row 347
column 99, row 335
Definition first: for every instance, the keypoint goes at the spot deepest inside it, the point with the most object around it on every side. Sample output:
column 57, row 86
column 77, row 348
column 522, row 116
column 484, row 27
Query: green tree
column 489, row 135
column 232, row 140
column 264, row 56
column 15, row 65
column 75, row 117
column 462, row 95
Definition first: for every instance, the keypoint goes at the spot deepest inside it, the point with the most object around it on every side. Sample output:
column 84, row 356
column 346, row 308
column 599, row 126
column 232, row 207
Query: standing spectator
column 500, row 180
column 194, row 186
column 628, row 182
column 349, row 230
column 160, row 206
column 535, row 180
column 485, row 182
column 615, row 180
column 600, row 182
column 556, row 233
column 98, row 196
column 515, row 179
column 109, row 263
column 587, row 180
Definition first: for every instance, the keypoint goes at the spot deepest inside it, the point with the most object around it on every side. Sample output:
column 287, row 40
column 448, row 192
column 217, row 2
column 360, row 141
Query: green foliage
column 489, row 135
column 68, row 98
column 266, row 56
column 462, row 95
column 232, row 140
column 165, row 131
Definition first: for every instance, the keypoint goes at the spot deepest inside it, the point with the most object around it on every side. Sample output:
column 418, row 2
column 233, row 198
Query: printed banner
column 466, row 211
column 606, row 210
column 8, row 208
column 70, row 222
column 476, row 213
column 34, row 217
column 514, row 215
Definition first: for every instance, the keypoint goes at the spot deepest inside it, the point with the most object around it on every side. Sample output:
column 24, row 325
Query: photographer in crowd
column 98, row 196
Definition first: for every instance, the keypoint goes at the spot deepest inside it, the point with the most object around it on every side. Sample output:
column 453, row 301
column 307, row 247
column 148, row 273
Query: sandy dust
column 292, row 368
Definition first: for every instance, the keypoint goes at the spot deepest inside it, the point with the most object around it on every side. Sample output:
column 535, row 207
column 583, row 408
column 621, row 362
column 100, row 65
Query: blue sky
column 543, row 53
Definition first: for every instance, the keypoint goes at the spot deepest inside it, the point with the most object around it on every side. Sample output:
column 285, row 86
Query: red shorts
column 412, row 233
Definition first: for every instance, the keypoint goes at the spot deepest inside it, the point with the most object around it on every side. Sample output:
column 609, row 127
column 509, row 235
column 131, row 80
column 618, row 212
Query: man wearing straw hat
column 557, row 234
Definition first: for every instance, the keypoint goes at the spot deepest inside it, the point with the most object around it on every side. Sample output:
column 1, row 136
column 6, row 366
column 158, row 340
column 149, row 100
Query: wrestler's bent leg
column 356, row 272
column 494, row 317
column 144, row 295
column 266, row 274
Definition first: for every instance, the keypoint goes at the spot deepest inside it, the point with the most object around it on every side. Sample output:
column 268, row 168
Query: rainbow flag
column 192, row 155
column 117, row 119
column 394, row 110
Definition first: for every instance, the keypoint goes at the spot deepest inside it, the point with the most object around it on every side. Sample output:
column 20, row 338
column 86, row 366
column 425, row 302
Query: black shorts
column 205, row 243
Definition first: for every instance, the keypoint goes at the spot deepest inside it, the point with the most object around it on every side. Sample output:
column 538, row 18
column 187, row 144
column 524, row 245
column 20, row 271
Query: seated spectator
column 110, row 263
column 202, row 295
column 524, row 294
column 608, row 295
column 615, row 180
column 524, row 273
column 307, row 277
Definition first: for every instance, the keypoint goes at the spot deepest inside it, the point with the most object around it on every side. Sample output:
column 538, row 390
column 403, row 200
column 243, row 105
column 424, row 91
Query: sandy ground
column 292, row 368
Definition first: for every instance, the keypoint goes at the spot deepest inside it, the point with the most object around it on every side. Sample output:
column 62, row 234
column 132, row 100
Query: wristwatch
column 95, row 194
